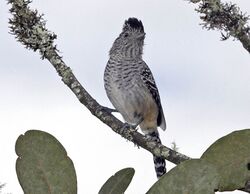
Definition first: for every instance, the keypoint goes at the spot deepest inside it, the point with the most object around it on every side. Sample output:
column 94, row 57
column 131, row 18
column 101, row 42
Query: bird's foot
column 127, row 129
column 134, row 127
column 153, row 136
column 130, row 127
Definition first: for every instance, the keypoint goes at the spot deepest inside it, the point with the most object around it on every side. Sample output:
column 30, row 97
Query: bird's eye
column 126, row 35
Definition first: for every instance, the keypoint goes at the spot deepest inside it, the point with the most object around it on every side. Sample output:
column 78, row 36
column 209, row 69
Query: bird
column 131, row 88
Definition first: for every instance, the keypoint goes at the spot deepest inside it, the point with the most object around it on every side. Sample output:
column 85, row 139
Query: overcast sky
column 204, row 85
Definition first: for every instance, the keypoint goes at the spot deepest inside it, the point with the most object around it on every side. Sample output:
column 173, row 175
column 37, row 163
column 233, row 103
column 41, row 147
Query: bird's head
column 133, row 30
column 130, row 40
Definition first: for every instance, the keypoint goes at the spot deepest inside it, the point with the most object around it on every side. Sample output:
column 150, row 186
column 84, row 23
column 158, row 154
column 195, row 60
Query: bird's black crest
column 134, row 23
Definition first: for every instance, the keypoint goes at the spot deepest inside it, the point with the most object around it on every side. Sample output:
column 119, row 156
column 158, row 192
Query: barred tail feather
column 159, row 162
column 160, row 166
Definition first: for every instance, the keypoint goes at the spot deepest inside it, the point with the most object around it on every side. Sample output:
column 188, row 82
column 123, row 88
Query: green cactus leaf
column 231, row 157
column 43, row 166
column 190, row 177
column 118, row 183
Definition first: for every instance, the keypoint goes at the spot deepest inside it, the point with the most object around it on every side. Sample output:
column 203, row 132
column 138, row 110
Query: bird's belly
column 135, row 104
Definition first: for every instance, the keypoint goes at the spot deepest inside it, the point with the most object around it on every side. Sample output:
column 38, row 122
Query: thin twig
column 225, row 17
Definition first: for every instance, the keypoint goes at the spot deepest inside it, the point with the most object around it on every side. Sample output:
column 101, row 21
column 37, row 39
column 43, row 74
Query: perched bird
column 130, row 85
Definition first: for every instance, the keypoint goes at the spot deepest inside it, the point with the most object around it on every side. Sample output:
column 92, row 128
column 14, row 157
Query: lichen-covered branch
column 29, row 29
column 225, row 17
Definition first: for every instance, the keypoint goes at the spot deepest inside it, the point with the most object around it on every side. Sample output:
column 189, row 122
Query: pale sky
column 204, row 85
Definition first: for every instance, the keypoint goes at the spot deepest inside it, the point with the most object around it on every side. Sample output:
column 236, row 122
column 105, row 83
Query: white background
column 204, row 85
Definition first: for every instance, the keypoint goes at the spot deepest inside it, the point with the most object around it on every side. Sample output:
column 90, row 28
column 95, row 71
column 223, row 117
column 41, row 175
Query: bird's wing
column 148, row 79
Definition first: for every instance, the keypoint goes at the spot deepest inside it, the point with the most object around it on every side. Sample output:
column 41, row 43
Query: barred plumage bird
column 130, row 85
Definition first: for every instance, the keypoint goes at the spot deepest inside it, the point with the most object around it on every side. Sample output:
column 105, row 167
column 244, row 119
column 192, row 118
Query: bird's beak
column 142, row 36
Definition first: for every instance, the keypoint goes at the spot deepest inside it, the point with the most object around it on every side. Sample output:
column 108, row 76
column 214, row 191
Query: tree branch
column 225, row 17
column 29, row 29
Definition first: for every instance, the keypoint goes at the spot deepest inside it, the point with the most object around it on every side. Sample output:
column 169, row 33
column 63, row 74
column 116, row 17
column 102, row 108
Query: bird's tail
column 159, row 162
